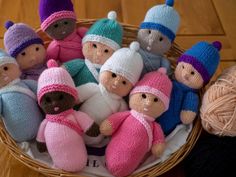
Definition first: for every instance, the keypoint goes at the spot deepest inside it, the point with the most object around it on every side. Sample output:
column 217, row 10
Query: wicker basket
column 130, row 34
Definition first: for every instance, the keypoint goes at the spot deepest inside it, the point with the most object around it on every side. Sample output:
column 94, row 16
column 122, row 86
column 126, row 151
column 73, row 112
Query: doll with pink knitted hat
column 63, row 127
column 134, row 133
column 58, row 20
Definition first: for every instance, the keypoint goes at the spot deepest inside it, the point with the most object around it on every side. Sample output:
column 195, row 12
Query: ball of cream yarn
column 218, row 110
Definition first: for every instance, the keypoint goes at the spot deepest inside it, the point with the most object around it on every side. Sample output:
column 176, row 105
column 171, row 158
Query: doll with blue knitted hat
column 100, row 42
column 58, row 20
column 23, row 43
column 156, row 35
column 194, row 70
column 18, row 102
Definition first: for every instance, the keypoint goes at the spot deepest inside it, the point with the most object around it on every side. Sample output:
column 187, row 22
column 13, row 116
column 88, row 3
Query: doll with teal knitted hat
column 63, row 128
column 134, row 133
column 58, row 20
column 23, row 43
column 156, row 35
column 100, row 42
column 117, row 77
column 18, row 102
column 194, row 70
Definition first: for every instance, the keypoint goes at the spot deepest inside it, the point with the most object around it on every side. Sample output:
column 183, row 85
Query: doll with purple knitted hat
column 23, row 43
column 135, row 132
column 194, row 70
column 58, row 20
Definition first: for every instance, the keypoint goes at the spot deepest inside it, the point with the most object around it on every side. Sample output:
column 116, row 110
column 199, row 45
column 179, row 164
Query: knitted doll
column 117, row 77
column 99, row 43
column 156, row 35
column 22, row 43
column 18, row 104
column 58, row 20
column 135, row 132
column 63, row 127
column 214, row 153
column 194, row 70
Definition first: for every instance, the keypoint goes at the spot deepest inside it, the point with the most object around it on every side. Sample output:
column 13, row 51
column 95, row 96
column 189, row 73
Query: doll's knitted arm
column 158, row 144
column 81, row 31
column 166, row 64
column 53, row 51
column 40, row 136
column 110, row 125
column 74, row 66
column 32, row 84
column 83, row 120
column 190, row 108
column 86, row 91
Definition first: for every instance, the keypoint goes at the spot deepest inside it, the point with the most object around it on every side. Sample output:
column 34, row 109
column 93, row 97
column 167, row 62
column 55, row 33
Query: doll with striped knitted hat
column 63, row 128
column 134, row 133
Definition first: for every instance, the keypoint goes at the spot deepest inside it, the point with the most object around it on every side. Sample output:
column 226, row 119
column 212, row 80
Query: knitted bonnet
column 126, row 62
column 18, row 37
column 156, row 83
column 106, row 31
column 5, row 58
column 163, row 18
column 54, row 10
column 204, row 57
column 55, row 79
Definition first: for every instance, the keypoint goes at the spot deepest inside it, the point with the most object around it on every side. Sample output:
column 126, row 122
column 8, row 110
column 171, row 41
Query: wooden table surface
column 206, row 20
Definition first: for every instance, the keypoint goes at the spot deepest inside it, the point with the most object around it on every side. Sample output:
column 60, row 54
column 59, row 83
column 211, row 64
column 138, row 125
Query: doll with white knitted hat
column 117, row 77
column 18, row 102
column 134, row 133
column 156, row 35
column 23, row 43
column 58, row 20
column 100, row 42
column 194, row 70
column 63, row 127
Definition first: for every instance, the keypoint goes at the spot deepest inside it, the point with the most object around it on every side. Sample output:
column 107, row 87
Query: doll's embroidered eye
column 5, row 68
column 94, row 46
column 37, row 48
column 61, row 97
column 155, row 99
column 113, row 75
column 23, row 53
column 124, row 82
column 149, row 31
column 56, row 26
column 183, row 66
column 192, row 73
column 144, row 96
column 106, row 51
column 161, row 39
column 48, row 99
column 65, row 23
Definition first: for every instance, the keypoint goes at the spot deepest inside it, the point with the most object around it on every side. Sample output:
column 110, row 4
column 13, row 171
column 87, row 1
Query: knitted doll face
column 8, row 73
column 56, row 102
column 31, row 56
column 115, row 83
column 153, row 41
column 147, row 104
column 60, row 29
column 96, row 52
column 188, row 75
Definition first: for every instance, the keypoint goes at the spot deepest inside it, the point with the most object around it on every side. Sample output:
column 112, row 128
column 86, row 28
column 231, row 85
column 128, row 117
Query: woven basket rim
column 157, row 170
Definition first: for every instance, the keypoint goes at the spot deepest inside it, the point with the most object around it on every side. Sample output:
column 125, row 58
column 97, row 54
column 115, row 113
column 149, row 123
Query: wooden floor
column 206, row 20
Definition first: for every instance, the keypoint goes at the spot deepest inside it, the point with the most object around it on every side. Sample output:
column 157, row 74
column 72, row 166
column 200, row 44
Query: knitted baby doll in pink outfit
column 58, row 20
column 135, row 132
column 62, row 129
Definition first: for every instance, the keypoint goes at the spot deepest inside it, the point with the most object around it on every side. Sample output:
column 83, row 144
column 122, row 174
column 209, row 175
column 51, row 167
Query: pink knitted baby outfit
column 67, row 49
column 63, row 132
column 135, row 133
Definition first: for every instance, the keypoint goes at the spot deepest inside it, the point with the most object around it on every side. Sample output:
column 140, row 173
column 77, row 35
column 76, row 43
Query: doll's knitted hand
column 106, row 128
column 41, row 147
column 187, row 117
column 158, row 149
column 93, row 131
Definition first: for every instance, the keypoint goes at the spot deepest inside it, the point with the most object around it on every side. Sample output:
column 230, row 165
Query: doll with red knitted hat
column 58, row 20
column 194, row 70
column 63, row 127
column 135, row 132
